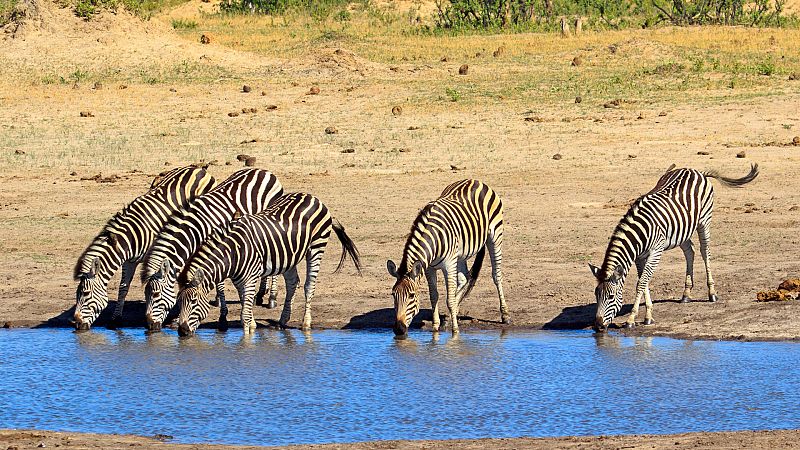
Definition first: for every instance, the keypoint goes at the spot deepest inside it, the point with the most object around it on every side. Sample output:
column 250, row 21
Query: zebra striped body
column 247, row 191
column 295, row 227
column 463, row 222
column 127, row 236
column 664, row 218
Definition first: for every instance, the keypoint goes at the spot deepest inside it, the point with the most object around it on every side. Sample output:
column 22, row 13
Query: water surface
column 340, row 386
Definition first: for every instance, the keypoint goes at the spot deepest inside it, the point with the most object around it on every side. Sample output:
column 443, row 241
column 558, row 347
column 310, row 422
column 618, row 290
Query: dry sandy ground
column 559, row 212
column 13, row 439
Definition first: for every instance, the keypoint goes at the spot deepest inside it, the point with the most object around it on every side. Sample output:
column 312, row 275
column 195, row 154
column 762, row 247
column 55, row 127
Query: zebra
column 127, row 236
column 246, row 191
column 274, row 242
column 463, row 222
column 664, row 218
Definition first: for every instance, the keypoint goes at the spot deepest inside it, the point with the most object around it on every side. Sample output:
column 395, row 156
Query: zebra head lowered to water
column 465, row 221
column 666, row 217
column 127, row 236
column 246, row 191
column 295, row 227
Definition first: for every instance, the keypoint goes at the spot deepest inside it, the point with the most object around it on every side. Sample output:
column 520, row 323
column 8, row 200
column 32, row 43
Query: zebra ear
column 418, row 268
column 617, row 273
column 165, row 267
column 95, row 267
column 595, row 270
column 113, row 239
column 237, row 215
column 197, row 278
column 391, row 267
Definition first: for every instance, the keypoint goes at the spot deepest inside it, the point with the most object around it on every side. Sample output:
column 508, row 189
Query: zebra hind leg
column 704, row 231
column 433, row 291
column 220, row 295
column 495, row 247
column 262, row 290
column 247, row 291
column 222, row 324
column 688, row 252
column 312, row 270
column 292, row 280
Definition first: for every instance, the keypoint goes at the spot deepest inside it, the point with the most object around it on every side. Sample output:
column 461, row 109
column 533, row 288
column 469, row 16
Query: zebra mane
column 101, row 238
column 418, row 224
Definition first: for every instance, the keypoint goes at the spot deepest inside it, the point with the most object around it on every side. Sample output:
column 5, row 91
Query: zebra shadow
column 582, row 316
column 385, row 318
column 133, row 317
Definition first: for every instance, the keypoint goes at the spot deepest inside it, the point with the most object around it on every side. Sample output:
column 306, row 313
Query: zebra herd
column 191, row 236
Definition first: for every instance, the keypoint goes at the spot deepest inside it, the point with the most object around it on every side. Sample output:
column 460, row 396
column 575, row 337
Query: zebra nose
column 80, row 325
column 599, row 325
column 152, row 325
column 184, row 330
column 400, row 328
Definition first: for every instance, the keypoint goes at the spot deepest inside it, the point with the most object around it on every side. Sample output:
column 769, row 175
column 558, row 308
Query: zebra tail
column 348, row 248
column 734, row 182
column 474, row 272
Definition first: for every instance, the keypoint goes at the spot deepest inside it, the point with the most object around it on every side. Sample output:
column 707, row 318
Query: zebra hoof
column 686, row 299
column 223, row 325
column 649, row 321
column 629, row 325
column 272, row 304
column 713, row 298
column 506, row 320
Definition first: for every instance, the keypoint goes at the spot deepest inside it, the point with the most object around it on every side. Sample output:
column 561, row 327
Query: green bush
column 318, row 9
column 182, row 24
column 6, row 10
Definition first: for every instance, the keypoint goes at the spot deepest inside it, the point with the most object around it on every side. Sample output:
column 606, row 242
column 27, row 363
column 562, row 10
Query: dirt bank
column 730, row 440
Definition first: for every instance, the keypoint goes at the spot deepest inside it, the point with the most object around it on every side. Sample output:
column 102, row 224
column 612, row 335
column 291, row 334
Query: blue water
column 339, row 386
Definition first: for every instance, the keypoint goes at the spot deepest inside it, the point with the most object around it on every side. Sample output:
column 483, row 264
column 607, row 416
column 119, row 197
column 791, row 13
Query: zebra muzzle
column 400, row 328
column 599, row 325
column 184, row 330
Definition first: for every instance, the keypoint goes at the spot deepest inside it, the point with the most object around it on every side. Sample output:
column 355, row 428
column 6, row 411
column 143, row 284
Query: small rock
column 41, row 445
column 75, row 85
column 331, row 130
column 536, row 119
column 249, row 110
column 741, row 154
column 242, row 157
column 463, row 69
column 794, row 208
column 173, row 90
column 444, row 59
column 413, row 127
column 246, row 89
column 613, row 103
column 577, row 61
column 349, row 150
column 397, row 110
column 499, row 52
column 228, row 163
column 613, row 48
column 478, row 54
column 263, row 93
column 86, row 114
column 557, row 156
column 455, row 168
column 313, row 91
column 233, row 114
column 73, row 174
column 271, row 107
column 250, row 162
column 794, row 76
column 19, row 152
column 122, row 86
column 205, row 39
column 167, row 163
column 578, row 99
column 97, row 85
column 796, row 140
column 631, row 156
column 248, row 141
column 703, row 153
column 640, row 117
column 662, row 114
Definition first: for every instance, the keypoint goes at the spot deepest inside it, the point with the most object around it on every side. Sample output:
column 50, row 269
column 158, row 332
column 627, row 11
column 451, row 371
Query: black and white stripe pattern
column 247, row 191
column 126, row 238
column 664, row 218
column 463, row 222
column 295, row 227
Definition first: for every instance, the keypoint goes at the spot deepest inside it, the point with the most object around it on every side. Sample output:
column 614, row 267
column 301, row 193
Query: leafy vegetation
column 6, row 10
column 142, row 8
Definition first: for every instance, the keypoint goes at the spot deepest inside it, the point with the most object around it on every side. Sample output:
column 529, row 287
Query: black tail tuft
column 348, row 247
column 474, row 272
column 734, row 182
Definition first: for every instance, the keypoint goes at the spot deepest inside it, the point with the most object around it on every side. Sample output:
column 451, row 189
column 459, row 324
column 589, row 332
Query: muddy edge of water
column 774, row 439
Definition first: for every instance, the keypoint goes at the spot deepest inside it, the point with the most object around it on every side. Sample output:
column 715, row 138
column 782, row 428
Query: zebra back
column 278, row 238
column 247, row 191
column 130, row 232
column 464, row 214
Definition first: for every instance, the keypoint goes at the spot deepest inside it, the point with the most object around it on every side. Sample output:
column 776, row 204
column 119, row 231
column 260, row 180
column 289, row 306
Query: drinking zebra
column 463, row 222
column 295, row 227
column 127, row 236
column 246, row 191
column 664, row 218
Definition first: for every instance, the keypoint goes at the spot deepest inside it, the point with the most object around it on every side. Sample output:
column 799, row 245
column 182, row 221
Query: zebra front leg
column 645, row 269
column 292, row 280
column 220, row 294
column 494, row 246
column 688, row 252
column 312, row 270
column 128, row 270
column 462, row 280
column 648, row 306
column 451, row 284
column 247, row 292
column 433, row 290
column 262, row 290
column 704, row 231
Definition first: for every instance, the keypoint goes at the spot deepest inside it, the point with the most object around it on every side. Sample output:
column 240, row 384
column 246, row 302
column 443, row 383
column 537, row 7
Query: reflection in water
column 290, row 386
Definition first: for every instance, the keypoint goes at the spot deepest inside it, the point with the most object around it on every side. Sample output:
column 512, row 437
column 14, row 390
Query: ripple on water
column 283, row 387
